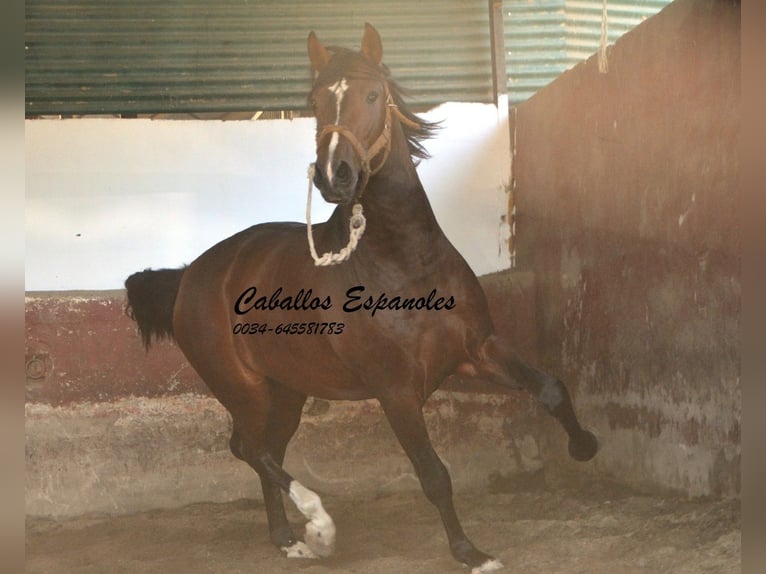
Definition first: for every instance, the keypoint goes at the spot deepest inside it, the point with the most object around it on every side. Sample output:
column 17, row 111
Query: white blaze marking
column 320, row 529
column 338, row 89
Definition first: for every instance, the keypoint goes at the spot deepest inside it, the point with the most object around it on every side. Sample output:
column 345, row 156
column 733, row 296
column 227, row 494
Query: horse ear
column 372, row 47
column 317, row 53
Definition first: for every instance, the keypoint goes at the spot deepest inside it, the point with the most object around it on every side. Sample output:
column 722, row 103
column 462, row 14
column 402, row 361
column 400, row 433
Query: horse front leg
column 405, row 416
column 500, row 364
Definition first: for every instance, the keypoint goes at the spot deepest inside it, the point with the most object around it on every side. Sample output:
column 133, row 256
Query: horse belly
column 304, row 362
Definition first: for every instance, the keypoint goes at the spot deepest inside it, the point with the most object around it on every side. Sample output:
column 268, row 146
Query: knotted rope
column 357, row 221
column 356, row 226
column 603, row 63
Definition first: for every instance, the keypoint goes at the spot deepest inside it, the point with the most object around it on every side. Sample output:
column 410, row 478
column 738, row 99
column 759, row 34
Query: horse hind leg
column 262, row 446
column 405, row 416
column 320, row 528
column 280, row 531
column 500, row 364
column 284, row 418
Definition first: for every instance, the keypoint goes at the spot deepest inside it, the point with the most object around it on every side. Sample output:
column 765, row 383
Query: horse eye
column 372, row 97
column 312, row 102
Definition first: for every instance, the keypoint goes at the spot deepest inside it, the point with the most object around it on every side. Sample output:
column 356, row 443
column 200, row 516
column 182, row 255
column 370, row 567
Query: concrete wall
column 107, row 197
column 626, row 197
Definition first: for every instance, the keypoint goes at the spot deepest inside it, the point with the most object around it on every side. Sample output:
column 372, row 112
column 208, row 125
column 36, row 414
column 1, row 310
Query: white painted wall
column 107, row 197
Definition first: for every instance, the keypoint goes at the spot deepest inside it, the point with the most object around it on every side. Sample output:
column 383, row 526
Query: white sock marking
column 320, row 529
column 488, row 566
column 299, row 550
column 338, row 89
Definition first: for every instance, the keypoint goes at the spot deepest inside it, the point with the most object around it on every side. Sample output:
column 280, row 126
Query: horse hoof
column 488, row 566
column 321, row 540
column 320, row 529
column 584, row 447
column 299, row 550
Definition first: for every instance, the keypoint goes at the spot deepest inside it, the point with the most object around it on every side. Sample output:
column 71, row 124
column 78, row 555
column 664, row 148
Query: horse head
column 352, row 103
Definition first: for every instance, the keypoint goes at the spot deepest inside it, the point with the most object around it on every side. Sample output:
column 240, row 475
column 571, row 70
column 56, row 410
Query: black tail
column 151, row 299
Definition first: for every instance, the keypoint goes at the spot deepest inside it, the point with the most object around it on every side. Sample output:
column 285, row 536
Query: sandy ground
column 593, row 529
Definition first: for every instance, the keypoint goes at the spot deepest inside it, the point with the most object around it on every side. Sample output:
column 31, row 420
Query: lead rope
column 356, row 226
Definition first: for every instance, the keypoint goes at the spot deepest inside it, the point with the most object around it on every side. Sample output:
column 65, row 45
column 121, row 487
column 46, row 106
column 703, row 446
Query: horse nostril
column 343, row 172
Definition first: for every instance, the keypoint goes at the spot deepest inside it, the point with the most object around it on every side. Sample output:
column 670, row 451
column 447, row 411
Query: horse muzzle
column 338, row 185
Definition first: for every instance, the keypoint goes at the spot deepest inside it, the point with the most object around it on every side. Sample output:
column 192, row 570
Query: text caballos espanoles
column 356, row 300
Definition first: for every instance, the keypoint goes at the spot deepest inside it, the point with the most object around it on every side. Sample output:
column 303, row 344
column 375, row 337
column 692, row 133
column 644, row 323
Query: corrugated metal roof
column 203, row 56
column 544, row 38
column 154, row 56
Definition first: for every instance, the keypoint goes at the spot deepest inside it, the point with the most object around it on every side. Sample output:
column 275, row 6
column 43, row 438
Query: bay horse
column 265, row 327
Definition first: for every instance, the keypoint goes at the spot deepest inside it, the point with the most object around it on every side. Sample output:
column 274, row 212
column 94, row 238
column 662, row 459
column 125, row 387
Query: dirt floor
column 593, row 529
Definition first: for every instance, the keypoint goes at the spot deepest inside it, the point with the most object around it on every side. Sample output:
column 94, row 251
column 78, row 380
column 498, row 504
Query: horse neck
column 395, row 199
column 401, row 227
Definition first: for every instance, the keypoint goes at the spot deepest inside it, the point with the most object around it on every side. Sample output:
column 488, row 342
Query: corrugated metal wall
column 195, row 56
column 535, row 45
column 150, row 56
column 544, row 38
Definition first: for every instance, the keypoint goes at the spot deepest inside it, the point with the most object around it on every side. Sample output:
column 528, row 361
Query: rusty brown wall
column 626, row 196
column 82, row 347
